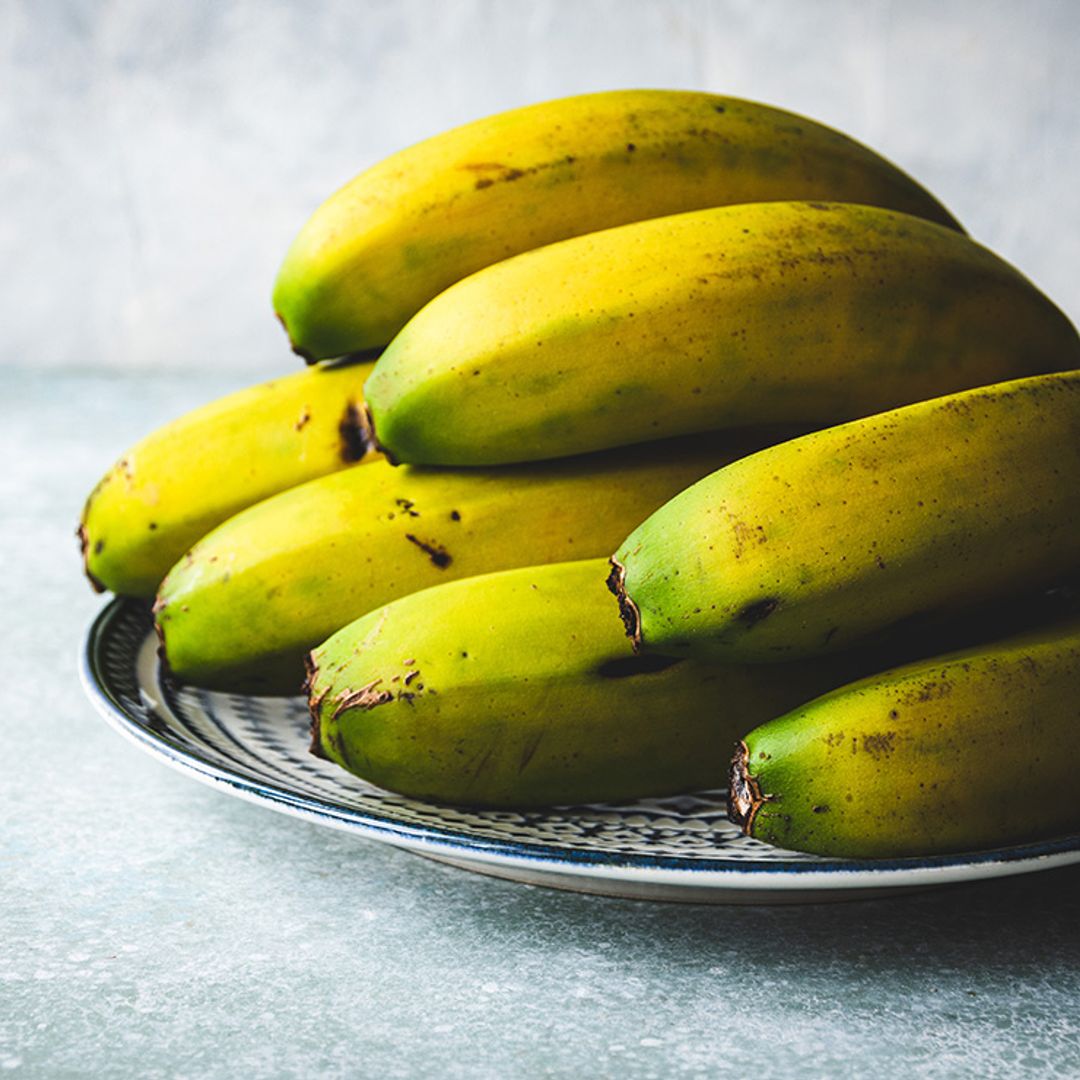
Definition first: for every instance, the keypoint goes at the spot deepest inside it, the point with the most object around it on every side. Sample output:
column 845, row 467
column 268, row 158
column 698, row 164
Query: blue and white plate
column 680, row 848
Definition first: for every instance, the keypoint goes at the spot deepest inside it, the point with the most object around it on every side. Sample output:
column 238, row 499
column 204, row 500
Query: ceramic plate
column 680, row 848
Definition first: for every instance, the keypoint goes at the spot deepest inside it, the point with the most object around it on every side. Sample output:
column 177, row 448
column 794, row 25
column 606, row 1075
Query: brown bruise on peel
column 744, row 791
column 628, row 610
column 355, row 433
column 496, row 172
column 84, row 547
column 366, row 697
column 751, row 614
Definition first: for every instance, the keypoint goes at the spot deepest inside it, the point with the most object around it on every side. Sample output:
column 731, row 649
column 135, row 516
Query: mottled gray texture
column 152, row 927
column 158, row 157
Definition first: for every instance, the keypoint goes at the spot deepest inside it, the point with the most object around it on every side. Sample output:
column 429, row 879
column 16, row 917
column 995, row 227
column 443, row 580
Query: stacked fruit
column 833, row 443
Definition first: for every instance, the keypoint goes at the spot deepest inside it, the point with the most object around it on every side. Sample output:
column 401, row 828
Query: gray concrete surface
column 156, row 160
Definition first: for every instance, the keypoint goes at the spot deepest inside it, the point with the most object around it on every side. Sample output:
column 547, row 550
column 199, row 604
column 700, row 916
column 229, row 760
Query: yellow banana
column 973, row 750
column 802, row 313
column 193, row 473
column 246, row 602
column 398, row 234
column 519, row 689
column 816, row 543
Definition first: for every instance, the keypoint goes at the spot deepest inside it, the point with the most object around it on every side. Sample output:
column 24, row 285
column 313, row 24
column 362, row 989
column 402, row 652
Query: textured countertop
column 151, row 926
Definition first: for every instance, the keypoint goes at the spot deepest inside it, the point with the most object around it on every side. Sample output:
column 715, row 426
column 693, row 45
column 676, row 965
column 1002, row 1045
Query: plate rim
column 811, row 875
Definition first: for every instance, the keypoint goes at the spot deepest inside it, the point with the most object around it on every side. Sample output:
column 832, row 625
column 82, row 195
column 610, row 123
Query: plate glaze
column 679, row 848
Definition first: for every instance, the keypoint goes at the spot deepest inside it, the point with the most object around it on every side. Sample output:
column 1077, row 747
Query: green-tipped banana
column 520, row 689
column 813, row 544
column 246, row 602
column 190, row 475
column 374, row 253
column 801, row 313
column 974, row 750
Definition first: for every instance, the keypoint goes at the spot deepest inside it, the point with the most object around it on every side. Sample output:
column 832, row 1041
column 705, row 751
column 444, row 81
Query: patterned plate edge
column 669, row 870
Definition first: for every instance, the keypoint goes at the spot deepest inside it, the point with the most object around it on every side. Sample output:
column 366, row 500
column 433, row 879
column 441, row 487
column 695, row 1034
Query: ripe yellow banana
column 973, row 750
column 246, row 603
column 802, row 313
column 816, row 543
column 401, row 232
column 190, row 475
column 519, row 689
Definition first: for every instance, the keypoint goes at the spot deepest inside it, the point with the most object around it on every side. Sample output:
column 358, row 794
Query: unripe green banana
column 244, row 605
column 977, row 749
column 519, row 689
column 800, row 313
column 380, row 248
column 193, row 473
column 816, row 543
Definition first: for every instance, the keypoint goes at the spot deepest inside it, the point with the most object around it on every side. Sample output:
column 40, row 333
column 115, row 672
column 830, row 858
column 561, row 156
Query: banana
column 519, row 689
column 973, row 750
column 245, row 603
column 193, row 473
column 398, row 234
column 816, row 543
column 802, row 313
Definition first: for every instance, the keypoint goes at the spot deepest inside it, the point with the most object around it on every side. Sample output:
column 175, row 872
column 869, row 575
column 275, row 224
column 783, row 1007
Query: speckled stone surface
column 157, row 159
column 152, row 927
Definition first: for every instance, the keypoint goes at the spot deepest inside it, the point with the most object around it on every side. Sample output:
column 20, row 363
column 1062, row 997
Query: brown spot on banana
column 438, row 555
column 879, row 744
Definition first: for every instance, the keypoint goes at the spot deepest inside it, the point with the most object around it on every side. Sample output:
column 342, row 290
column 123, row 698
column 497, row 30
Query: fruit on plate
column 818, row 542
column 401, row 232
column 191, row 474
column 245, row 604
column 800, row 313
column 977, row 749
column 519, row 688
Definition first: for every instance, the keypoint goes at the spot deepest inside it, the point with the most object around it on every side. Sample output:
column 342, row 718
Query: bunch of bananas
column 833, row 443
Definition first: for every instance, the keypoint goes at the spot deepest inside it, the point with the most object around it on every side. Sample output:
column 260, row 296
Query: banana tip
column 298, row 349
column 355, row 431
column 373, row 438
column 744, row 791
column 84, row 547
column 628, row 610
column 162, row 653
column 314, row 705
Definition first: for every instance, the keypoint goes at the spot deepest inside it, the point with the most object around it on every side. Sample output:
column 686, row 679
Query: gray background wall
column 156, row 158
